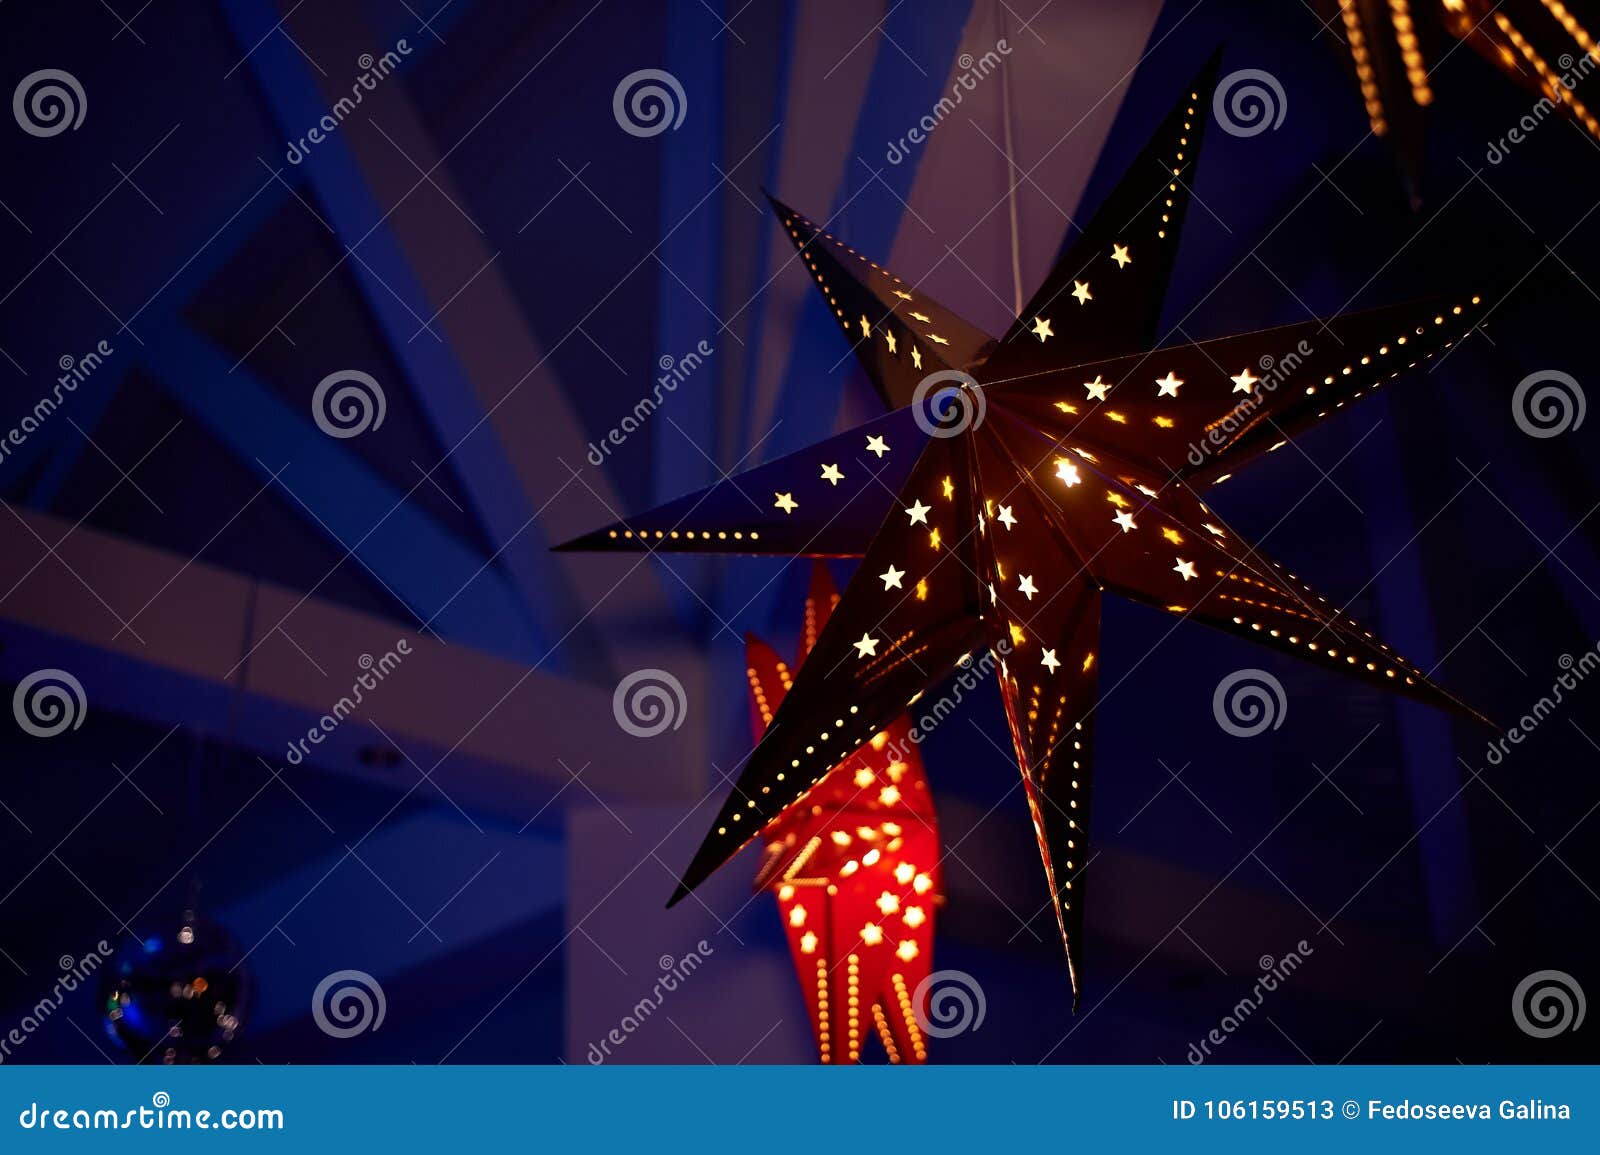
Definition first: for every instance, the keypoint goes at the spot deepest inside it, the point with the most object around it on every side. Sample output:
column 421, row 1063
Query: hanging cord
column 1011, row 166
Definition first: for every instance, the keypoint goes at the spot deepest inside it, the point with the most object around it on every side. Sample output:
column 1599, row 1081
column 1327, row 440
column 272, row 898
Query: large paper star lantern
column 855, row 868
column 1060, row 463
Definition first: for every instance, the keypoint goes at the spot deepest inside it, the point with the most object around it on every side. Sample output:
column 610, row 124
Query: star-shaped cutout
column 1168, row 386
column 916, row 316
column 1119, row 253
column 877, row 445
column 916, row 357
column 786, row 502
column 1080, row 290
column 1026, row 588
column 891, row 577
column 902, row 294
column 1125, row 520
column 866, row 326
column 888, row 336
column 1245, row 381
column 831, row 474
column 1055, row 529
column 1041, row 329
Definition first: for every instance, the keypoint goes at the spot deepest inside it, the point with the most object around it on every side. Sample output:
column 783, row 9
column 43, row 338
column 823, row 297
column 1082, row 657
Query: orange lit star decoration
column 855, row 867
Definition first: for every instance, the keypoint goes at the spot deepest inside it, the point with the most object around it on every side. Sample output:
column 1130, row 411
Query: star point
column 1005, row 517
column 867, row 647
column 1025, row 586
column 786, row 502
column 1185, row 570
column 831, row 474
column 1097, row 388
column 1080, row 290
column 1244, row 382
column 1168, row 386
column 877, row 445
column 1125, row 520
column 1119, row 253
column 891, row 577
column 1041, row 329
column 918, row 512
column 1049, row 661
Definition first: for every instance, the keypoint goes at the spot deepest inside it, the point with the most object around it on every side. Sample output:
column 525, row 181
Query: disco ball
column 181, row 999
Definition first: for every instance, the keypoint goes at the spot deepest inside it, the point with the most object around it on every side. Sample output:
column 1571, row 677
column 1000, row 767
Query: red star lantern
column 1032, row 475
column 855, row 868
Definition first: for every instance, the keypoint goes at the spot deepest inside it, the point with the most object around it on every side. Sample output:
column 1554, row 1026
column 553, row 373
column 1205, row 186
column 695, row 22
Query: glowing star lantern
column 855, row 867
column 1392, row 47
column 1067, row 463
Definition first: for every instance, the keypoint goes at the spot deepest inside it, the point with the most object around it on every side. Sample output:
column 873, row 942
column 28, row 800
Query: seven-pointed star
column 1016, row 459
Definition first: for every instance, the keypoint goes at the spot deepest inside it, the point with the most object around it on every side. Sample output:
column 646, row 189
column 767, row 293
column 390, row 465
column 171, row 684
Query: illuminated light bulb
column 914, row 916
column 907, row 950
column 797, row 916
column 888, row 903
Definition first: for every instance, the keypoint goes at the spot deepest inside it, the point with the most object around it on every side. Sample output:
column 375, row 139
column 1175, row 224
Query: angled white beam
column 261, row 664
